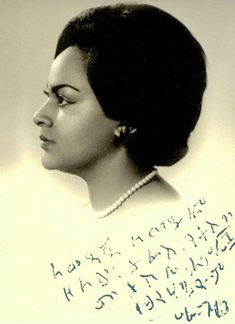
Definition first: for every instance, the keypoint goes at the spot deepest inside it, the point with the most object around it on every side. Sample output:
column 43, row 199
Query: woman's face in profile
column 74, row 131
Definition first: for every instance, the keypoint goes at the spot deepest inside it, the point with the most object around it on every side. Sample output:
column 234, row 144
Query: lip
column 45, row 141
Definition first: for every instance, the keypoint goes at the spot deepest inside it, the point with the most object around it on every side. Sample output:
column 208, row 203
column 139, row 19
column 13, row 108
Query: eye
column 46, row 93
column 62, row 101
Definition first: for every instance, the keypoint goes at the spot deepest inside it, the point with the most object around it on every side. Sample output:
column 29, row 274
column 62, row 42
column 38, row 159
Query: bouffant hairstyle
column 147, row 71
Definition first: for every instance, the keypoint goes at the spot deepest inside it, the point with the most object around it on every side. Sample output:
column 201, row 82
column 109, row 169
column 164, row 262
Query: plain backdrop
column 28, row 193
column 29, row 31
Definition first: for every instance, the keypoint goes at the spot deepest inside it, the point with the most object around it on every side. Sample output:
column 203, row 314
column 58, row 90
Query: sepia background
column 29, row 194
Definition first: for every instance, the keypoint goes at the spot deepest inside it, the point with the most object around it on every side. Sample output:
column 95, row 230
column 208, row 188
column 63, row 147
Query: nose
column 43, row 117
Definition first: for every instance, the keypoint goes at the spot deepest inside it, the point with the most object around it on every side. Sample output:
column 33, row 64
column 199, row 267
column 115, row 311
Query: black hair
column 147, row 71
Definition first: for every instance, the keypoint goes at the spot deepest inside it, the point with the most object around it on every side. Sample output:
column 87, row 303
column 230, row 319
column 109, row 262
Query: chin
column 78, row 167
column 48, row 164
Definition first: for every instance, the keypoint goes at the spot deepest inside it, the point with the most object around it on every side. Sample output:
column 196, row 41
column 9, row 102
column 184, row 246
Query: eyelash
column 59, row 98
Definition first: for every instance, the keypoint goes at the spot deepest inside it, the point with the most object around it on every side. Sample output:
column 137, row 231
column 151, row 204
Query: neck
column 110, row 178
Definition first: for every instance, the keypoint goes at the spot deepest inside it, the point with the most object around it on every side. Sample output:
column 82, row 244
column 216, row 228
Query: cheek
column 99, row 134
column 87, row 137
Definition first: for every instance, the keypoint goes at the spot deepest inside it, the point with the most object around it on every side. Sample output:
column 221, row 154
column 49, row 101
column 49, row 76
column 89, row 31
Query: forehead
column 68, row 67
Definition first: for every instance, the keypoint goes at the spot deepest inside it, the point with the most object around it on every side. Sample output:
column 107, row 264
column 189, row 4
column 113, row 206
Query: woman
column 124, row 93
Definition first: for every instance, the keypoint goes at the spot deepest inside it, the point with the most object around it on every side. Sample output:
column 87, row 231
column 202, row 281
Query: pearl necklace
column 119, row 202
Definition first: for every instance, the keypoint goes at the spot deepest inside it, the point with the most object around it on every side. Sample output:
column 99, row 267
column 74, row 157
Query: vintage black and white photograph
column 117, row 177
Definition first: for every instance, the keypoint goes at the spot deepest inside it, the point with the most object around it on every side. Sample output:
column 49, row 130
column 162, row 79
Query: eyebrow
column 55, row 88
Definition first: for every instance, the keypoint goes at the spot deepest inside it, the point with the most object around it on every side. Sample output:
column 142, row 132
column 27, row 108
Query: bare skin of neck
column 113, row 175
column 110, row 178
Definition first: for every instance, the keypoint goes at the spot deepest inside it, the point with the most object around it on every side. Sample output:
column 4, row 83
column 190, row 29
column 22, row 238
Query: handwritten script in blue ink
column 174, row 268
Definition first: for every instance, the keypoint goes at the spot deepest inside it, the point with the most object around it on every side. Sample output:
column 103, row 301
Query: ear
column 123, row 132
column 119, row 130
